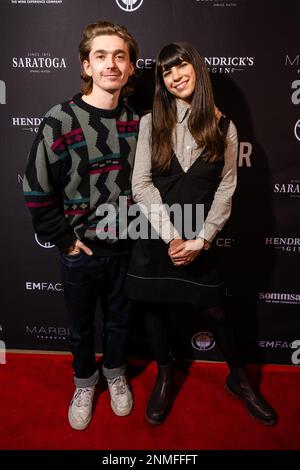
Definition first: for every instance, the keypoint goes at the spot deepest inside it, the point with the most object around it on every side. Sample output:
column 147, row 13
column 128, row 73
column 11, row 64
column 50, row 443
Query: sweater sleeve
column 43, row 191
column 144, row 191
column 221, row 207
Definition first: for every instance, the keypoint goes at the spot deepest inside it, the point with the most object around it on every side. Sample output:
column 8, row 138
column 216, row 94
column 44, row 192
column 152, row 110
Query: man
column 80, row 161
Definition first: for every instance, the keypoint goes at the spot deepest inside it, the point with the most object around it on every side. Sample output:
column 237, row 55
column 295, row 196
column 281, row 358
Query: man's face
column 109, row 63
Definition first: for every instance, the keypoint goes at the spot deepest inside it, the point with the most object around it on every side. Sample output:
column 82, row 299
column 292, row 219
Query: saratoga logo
column 39, row 62
column 292, row 188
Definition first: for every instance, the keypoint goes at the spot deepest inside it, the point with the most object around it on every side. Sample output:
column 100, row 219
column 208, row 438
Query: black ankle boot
column 160, row 399
column 237, row 384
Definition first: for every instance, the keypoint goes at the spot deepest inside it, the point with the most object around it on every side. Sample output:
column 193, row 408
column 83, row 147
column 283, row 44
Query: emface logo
column 44, row 286
column 275, row 344
column 2, row 92
column 43, row 245
column 225, row 242
column 203, row 341
column 129, row 5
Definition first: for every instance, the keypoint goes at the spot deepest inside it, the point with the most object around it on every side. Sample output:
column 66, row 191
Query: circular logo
column 203, row 341
column 297, row 129
column 129, row 5
column 43, row 245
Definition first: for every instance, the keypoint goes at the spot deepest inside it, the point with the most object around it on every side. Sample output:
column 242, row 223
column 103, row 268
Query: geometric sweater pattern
column 82, row 158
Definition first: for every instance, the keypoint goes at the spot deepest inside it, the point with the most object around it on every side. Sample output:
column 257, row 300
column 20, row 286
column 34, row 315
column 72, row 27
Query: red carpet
column 36, row 389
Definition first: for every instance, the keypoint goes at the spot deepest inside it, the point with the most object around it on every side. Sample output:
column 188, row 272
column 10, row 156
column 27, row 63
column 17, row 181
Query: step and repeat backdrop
column 252, row 51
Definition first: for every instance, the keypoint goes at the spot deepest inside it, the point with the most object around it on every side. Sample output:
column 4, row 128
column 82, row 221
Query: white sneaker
column 80, row 409
column 120, row 394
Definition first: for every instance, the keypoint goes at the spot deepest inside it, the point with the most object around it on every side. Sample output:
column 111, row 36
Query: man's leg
column 116, row 310
column 81, row 292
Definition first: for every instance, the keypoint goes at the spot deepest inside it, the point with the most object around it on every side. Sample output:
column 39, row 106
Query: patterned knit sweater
column 82, row 158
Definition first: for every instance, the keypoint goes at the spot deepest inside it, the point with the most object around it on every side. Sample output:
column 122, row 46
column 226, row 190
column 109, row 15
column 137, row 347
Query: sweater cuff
column 208, row 232
column 65, row 241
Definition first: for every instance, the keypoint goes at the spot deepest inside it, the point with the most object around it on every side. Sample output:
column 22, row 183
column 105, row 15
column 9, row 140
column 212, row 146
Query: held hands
column 77, row 247
column 184, row 252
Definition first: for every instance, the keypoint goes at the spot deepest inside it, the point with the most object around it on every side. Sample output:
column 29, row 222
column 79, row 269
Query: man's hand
column 184, row 252
column 77, row 247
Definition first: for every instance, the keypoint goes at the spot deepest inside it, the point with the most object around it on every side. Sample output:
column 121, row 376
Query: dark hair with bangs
column 202, row 122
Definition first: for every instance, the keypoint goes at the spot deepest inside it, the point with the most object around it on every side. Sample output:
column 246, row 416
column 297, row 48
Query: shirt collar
column 182, row 110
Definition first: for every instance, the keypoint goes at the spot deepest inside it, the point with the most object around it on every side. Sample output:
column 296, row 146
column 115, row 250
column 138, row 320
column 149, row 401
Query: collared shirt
column 186, row 150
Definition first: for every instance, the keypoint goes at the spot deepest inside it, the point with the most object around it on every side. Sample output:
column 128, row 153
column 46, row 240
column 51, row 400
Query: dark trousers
column 85, row 279
column 158, row 334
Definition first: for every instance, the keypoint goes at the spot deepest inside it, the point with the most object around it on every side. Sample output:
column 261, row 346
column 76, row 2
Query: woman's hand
column 184, row 252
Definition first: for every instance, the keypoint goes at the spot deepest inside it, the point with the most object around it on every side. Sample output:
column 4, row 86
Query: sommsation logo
column 129, row 5
column 280, row 297
column 39, row 62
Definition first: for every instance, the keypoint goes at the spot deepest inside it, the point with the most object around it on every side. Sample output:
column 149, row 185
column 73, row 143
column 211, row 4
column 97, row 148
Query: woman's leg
column 158, row 337
column 237, row 382
column 158, row 332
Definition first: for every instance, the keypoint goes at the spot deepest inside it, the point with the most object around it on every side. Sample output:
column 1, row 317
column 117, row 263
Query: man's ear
column 87, row 68
column 131, row 70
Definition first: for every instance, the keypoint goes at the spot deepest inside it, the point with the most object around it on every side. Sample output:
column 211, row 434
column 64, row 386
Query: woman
column 185, row 157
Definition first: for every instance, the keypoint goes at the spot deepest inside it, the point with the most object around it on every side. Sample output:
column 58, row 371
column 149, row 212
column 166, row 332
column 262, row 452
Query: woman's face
column 180, row 80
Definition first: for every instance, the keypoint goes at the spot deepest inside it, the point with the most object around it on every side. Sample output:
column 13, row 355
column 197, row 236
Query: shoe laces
column 83, row 396
column 118, row 385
